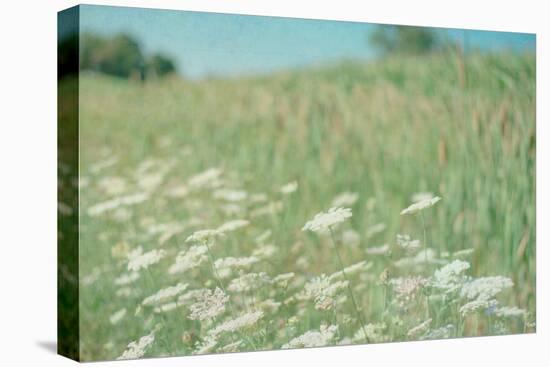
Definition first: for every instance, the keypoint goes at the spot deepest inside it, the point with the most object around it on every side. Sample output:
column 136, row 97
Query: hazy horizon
column 227, row 45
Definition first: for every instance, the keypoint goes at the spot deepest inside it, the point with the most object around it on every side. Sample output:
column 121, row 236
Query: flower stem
column 230, row 302
column 349, row 286
column 425, row 238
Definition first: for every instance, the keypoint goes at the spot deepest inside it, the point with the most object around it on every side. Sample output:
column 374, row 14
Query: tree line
column 119, row 56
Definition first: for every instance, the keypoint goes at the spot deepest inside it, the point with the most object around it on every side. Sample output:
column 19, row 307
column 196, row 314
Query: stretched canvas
column 232, row 183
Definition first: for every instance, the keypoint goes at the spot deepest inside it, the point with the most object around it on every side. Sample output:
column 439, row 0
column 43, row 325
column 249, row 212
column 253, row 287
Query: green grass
column 462, row 128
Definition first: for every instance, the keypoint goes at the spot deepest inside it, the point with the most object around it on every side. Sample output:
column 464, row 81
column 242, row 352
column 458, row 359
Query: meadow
column 205, row 206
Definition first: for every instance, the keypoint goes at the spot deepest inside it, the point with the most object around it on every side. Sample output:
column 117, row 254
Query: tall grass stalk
column 341, row 264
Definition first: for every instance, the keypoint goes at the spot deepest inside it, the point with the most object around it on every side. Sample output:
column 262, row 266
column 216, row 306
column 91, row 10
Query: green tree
column 160, row 65
column 404, row 39
column 119, row 56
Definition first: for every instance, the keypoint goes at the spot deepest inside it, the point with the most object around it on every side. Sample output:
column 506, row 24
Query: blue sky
column 205, row 44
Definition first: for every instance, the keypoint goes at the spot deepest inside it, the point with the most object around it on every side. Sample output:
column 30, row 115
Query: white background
column 28, row 182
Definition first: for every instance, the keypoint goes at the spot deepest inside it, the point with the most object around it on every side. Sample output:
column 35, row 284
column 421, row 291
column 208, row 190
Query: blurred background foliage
column 119, row 56
column 406, row 39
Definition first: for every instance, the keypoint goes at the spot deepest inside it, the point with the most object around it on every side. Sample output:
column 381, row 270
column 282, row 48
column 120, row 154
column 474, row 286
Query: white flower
column 243, row 321
column 407, row 243
column 207, row 179
column 406, row 289
column 420, row 205
column 208, row 304
column 138, row 260
column 264, row 251
column 248, row 282
column 450, row 277
column 270, row 305
column 203, row 235
column 314, row 338
column 322, row 291
column 189, row 259
column 289, row 188
column 476, row 305
column 108, row 205
column 126, row 279
column 233, row 225
column 345, row 199
column 117, row 316
column 177, row 192
column 462, row 253
column 282, row 279
column 232, row 209
column 166, row 307
column 150, row 181
column 165, row 293
column 441, row 333
column 206, row 346
column 258, row 198
column 137, row 349
column 263, row 236
column 421, row 196
column 380, row 250
column 235, row 262
column 485, row 288
column 421, row 258
column 324, row 220
column 230, row 195
column 510, row 312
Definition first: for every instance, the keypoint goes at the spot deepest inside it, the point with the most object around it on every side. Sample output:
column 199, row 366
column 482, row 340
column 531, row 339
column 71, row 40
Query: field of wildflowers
column 358, row 203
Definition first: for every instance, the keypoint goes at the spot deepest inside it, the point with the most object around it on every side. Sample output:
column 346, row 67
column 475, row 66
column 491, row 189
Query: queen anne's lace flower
column 208, row 178
column 450, row 277
column 248, row 282
column 208, row 304
column 510, row 312
column 485, row 288
column 477, row 305
column 117, row 316
column 314, row 338
column 345, row 199
column 189, row 259
column 233, row 225
column 235, row 262
column 203, row 235
column 407, row 243
column 323, row 292
column 289, row 188
column 406, row 289
column 324, row 220
column 126, row 279
column 138, row 260
column 206, row 345
column 137, row 349
column 241, row 322
column 230, row 195
column 420, row 205
column 165, row 293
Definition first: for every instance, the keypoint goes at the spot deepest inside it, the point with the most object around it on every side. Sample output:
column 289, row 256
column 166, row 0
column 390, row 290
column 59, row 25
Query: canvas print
column 233, row 183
